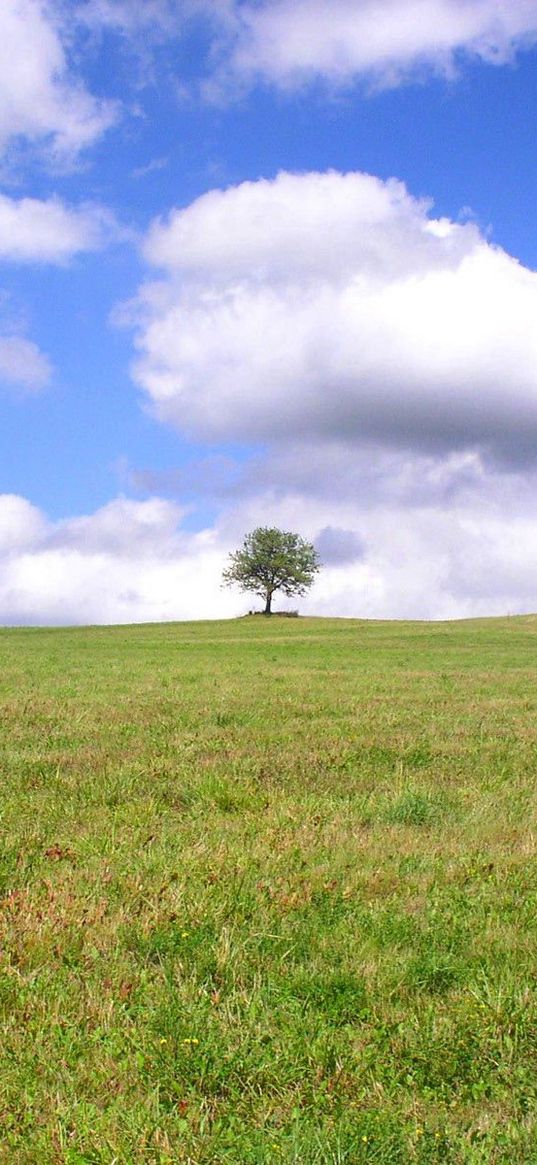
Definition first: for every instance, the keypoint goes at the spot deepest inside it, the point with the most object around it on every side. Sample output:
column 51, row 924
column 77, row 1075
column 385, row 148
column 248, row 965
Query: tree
column 272, row 560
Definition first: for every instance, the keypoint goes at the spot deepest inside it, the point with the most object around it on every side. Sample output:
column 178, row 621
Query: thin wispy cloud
column 22, row 365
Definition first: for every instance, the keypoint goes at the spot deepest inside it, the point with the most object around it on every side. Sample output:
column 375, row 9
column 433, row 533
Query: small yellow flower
column 184, row 934
column 163, row 1041
column 365, row 1138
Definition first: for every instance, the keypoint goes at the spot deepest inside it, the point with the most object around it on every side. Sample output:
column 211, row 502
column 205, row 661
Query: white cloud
column 288, row 42
column 22, row 364
column 41, row 99
column 34, row 230
column 322, row 306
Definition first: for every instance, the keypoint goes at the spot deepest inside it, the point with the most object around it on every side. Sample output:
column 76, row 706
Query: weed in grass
column 414, row 808
column 340, row 998
column 431, row 972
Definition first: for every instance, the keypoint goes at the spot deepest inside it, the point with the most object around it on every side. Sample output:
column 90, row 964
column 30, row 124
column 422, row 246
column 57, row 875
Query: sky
column 267, row 262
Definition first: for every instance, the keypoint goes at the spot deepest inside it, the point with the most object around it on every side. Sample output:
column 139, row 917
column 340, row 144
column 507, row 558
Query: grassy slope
column 269, row 893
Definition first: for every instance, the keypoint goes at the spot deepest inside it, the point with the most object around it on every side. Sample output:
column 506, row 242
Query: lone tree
column 272, row 560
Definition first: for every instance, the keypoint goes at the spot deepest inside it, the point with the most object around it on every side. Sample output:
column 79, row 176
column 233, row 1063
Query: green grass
column 268, row 893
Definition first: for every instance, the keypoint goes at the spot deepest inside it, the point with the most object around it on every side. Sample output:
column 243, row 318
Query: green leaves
column 272, row 560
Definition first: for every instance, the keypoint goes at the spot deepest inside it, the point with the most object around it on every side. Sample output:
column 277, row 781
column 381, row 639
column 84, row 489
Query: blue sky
column 218, row 310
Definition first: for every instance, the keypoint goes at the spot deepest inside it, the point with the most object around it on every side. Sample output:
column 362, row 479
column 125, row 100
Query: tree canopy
column 271, row 560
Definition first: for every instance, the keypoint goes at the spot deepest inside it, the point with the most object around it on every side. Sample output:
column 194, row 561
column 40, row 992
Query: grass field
column 269, row 893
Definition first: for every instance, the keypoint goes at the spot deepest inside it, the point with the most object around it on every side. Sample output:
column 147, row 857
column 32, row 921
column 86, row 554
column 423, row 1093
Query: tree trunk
column 268, row 610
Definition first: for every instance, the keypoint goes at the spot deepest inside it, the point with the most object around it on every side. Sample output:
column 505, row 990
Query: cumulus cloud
column 41, row 99
column 48, row 231
column 335, row 306
column 23, row 365
column 288, row 42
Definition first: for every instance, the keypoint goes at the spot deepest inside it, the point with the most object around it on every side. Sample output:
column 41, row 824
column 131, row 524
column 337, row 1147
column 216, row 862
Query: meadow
column 268, row 893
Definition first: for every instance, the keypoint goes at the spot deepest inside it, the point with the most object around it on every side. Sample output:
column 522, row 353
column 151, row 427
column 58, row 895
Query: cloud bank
column 474, row 553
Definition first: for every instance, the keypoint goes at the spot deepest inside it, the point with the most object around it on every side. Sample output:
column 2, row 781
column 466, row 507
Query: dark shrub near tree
column 272, row 560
